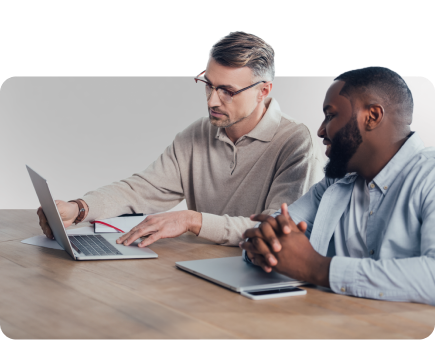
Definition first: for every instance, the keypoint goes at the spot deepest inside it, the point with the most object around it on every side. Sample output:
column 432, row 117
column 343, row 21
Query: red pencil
column 109, row 225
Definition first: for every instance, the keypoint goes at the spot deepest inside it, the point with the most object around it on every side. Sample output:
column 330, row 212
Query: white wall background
column 84, row 132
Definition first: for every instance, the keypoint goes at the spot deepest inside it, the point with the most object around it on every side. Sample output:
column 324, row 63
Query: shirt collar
column 268, row 125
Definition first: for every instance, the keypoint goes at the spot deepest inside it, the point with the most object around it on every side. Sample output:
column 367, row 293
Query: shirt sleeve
column 409, row 279
column 156, row 189
column 299, row 166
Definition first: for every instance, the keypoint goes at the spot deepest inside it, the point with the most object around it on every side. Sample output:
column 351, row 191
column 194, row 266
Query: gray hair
column 240, row 49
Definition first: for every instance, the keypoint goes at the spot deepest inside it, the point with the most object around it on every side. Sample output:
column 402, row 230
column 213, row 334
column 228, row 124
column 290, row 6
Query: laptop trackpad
column 132, row 249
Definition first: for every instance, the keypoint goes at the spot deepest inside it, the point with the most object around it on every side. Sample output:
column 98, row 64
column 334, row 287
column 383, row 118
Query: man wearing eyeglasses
column 245, row 158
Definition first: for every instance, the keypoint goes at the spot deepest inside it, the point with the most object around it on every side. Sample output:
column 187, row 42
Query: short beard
column 343, row 146
column 225, row 123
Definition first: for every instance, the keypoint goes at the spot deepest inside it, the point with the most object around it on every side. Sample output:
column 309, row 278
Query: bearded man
column 368, row 228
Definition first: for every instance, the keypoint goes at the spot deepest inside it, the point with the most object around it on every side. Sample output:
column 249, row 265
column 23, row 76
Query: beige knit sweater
column 276, row 162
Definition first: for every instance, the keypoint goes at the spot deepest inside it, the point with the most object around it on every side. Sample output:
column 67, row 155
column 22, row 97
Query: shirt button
column 372, row 252
column 385, row 187
column 381, row 294
column 343, row 289
column 371, row 212
column 372, row 185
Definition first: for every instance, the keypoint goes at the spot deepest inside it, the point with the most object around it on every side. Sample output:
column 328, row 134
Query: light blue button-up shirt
column 400, row 228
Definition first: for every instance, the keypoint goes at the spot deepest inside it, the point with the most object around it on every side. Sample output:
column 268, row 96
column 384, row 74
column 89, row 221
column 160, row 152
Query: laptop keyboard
column 93, row 245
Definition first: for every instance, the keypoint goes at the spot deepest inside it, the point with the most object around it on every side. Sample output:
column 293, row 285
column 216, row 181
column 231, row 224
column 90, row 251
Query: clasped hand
column 280, row 244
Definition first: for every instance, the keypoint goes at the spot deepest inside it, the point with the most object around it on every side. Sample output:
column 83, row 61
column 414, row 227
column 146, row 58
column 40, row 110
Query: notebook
column 123, row 223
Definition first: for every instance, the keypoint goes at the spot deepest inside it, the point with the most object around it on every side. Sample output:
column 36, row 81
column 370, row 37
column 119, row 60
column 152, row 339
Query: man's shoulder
column 428, row 154
column 423, row 160
column 294, row 129
column 199, row 129
column 422, row 165
column 294, row 135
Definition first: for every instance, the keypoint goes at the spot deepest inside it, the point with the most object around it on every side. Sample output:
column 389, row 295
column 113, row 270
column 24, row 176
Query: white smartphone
column 273, row 293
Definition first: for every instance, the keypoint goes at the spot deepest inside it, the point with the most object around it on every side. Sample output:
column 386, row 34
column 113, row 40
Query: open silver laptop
column 83, row 247
column 234, row 273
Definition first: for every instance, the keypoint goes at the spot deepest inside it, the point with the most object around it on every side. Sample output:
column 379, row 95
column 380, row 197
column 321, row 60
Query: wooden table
column 45, row 294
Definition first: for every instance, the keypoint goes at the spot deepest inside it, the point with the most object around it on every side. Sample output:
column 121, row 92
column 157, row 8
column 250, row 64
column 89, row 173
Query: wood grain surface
column 45, row 294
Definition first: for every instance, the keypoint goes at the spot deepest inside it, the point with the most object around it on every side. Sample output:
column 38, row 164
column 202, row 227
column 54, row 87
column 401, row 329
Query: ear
column 265, row 90
column 375, row 116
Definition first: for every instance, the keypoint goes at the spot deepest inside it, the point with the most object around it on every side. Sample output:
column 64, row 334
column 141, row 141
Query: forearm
column 158, row 188
column 407, row 279
column 225, row 230
column 124, row 197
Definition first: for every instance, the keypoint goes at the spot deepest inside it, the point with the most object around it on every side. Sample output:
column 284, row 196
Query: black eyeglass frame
column 232, row 94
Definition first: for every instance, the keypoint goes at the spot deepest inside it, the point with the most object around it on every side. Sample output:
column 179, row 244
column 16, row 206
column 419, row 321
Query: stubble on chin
column 222, row 123
column 225, row 123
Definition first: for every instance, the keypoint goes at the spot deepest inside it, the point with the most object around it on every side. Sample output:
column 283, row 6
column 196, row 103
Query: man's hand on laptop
column 164, row 225
column 68, row 212
column 264, row 241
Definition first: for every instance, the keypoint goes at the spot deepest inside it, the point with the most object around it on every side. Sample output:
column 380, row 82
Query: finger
column 138, row 234
column 253, row 232
column 125, row 236
column 122, row 238
column 258, row 246
column 285, row 224
column 249, row 255
column 259, row 217
column 269, row 235
column 302, row 226
column 151, row 239
column 261, row 262
column 248, row 246
column 44, row 224
column 284, row 209
column 284, row 212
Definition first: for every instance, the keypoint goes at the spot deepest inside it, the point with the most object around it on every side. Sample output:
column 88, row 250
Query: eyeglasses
column 224, row 94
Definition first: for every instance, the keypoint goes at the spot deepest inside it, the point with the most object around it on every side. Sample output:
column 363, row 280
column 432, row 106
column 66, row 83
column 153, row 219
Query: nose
column 214, row 99
column 322, row 131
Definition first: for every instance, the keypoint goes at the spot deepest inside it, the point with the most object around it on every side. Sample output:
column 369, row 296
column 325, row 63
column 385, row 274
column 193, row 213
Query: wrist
column 85, row 205
column 195, row 222
column 80, row 210
column 75, row 207
column 320, row 271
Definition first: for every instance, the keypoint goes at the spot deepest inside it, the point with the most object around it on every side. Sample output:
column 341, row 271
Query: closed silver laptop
column 83, row 247
column 235, row 274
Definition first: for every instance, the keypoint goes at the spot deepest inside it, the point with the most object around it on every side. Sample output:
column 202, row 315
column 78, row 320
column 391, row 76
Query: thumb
column 302, row 226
